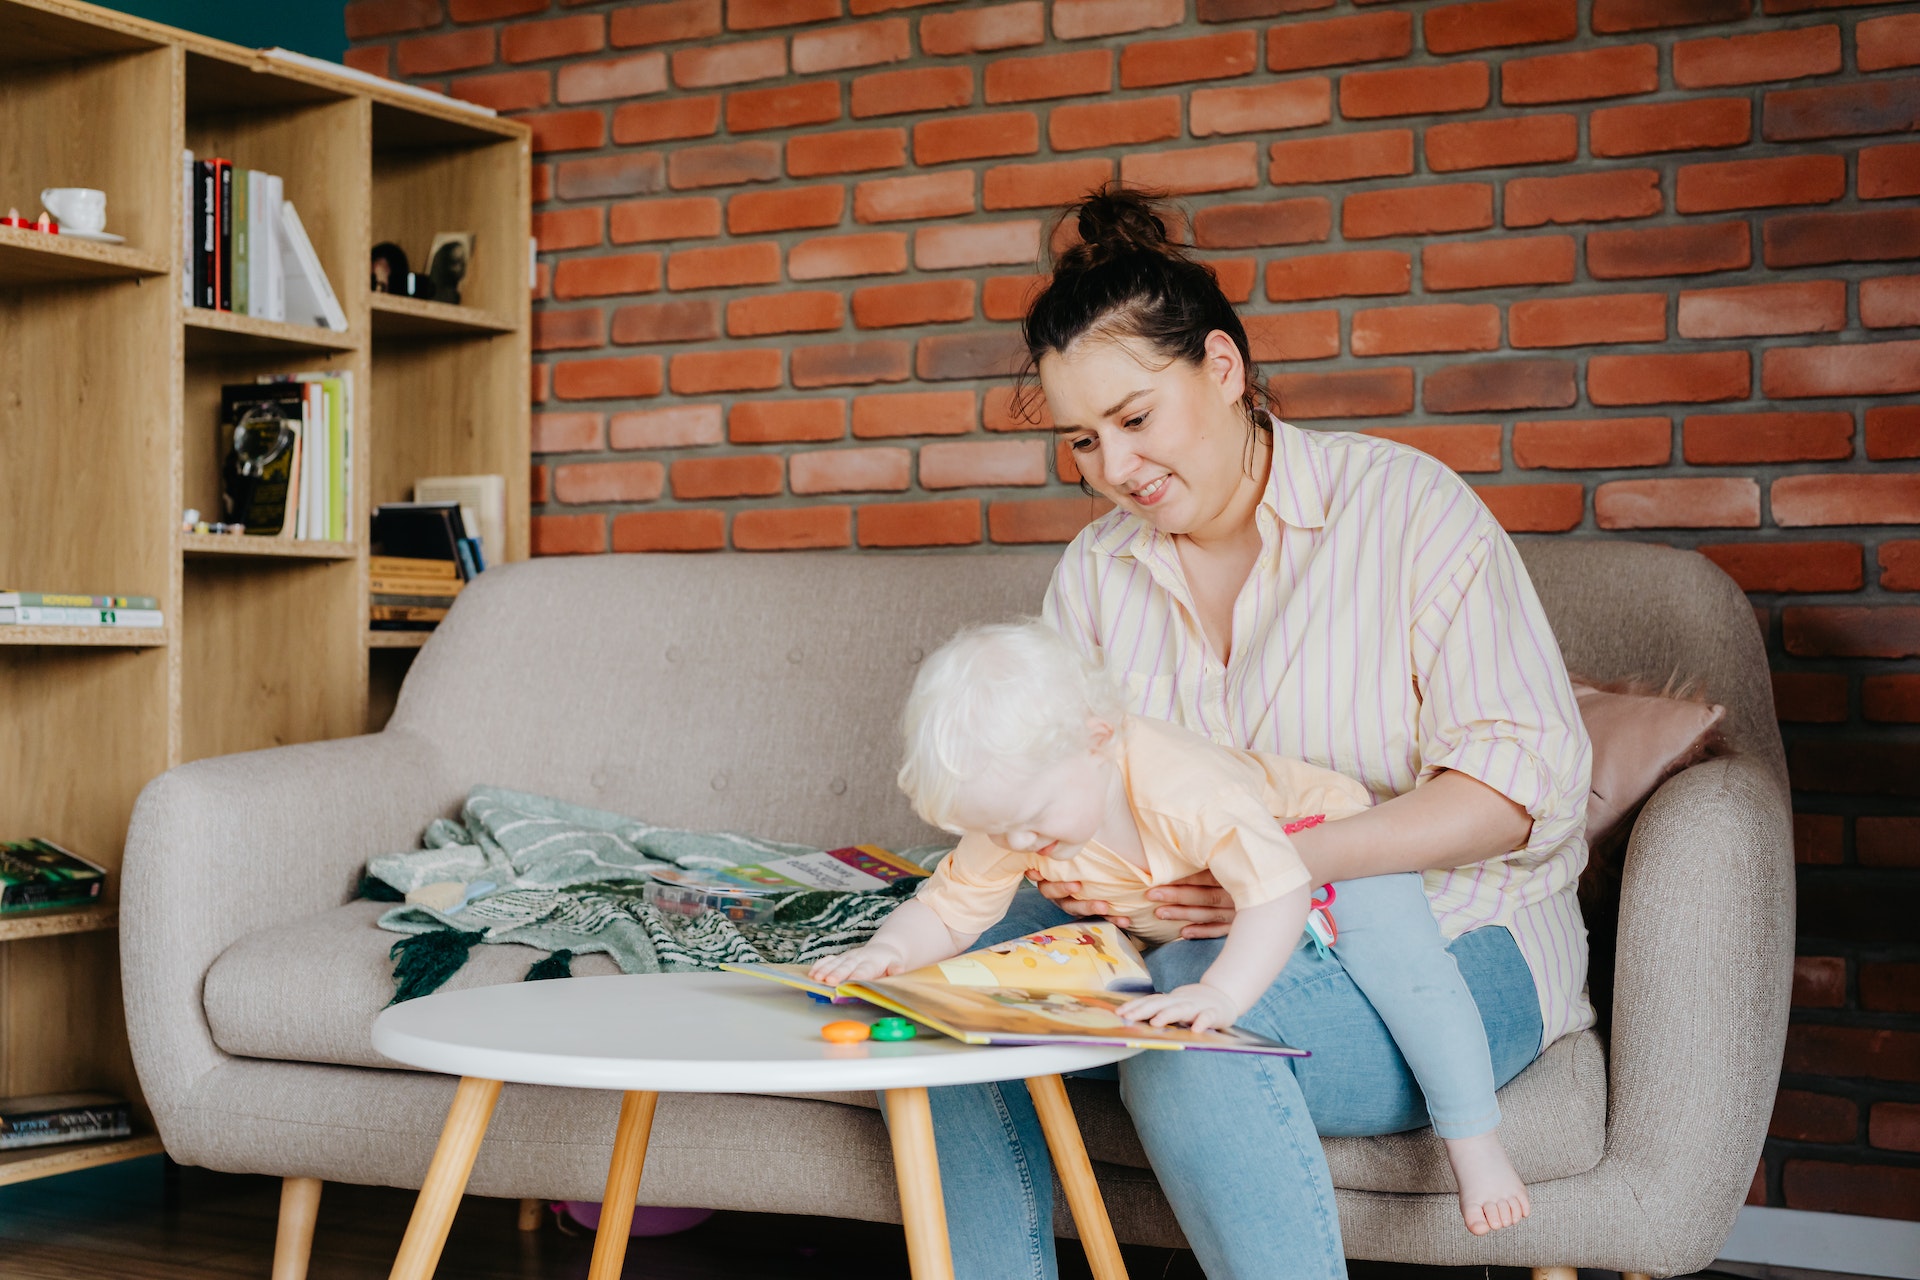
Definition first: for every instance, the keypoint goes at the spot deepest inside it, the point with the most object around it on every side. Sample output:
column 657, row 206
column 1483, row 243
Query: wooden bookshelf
column 266, row 639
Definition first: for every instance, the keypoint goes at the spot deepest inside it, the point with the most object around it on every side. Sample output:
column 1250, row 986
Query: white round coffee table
column 647, row 1034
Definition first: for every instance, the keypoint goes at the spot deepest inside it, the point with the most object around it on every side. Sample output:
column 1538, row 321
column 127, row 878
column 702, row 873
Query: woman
column 1323, row 596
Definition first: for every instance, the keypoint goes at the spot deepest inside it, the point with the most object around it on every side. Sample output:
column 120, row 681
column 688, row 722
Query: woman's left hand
column 1200, row 901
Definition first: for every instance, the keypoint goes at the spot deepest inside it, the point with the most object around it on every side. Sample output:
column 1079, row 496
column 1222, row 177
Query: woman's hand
column 875, row 960
column 1198, row 1005
column 1198, row 899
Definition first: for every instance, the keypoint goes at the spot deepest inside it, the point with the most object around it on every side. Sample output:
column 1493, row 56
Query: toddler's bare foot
column 1491, row 1193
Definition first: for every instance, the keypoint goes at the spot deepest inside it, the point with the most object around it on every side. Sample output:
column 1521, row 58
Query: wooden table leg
column 446, row 1179
column 1076, row 1177
column 917, row 1169
column 623, row 1184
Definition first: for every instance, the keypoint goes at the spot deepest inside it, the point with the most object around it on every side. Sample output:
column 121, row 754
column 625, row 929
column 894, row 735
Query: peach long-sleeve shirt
column 1388, row 631
column 1199, row 806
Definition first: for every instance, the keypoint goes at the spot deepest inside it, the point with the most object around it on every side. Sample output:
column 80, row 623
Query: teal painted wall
column 316, row 27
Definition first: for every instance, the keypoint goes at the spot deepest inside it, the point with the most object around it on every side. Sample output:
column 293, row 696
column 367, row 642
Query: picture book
column 1058, row 986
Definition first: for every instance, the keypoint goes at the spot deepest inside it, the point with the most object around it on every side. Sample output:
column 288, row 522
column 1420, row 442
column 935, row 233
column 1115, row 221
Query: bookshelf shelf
column 227, row 544
column 86, row 637
column 44, row 1162
column 224, row 333
column 397, row 639
column 48, row 924
column 398, row 317
column 35, row 257
column 266, row 641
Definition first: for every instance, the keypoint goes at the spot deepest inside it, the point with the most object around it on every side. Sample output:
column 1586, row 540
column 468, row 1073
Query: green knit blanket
column 567, row 880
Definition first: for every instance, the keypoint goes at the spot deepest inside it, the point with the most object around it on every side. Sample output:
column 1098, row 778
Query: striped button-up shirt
column 1388, row 631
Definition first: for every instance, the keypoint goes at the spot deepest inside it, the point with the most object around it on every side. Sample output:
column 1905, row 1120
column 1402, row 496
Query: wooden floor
column 138, row 1221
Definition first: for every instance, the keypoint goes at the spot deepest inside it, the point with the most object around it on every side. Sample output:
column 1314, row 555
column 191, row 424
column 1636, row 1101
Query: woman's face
column 1168, row 444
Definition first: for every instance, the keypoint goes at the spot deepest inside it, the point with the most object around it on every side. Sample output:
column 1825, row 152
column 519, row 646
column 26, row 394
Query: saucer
column 104, row 237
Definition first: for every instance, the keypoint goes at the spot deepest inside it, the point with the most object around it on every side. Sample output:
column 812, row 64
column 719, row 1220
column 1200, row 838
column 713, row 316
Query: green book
column 241, row 251
column 39, row 873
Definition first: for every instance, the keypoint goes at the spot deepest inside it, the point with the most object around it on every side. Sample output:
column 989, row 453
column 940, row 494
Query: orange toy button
column 847, row 1032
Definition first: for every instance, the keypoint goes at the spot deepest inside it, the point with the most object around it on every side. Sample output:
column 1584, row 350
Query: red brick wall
column 1638, row 268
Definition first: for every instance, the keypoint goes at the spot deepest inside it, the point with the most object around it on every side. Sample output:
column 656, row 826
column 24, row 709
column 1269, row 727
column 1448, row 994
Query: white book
column 27, row 615
column 310, row 299
column 276, row 284
column 186, row 228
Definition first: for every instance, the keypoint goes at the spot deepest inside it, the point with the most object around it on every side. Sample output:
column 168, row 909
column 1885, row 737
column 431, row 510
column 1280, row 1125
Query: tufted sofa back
column 761, row 692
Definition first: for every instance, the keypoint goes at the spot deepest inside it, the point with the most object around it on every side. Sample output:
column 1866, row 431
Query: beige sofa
column 760, row 693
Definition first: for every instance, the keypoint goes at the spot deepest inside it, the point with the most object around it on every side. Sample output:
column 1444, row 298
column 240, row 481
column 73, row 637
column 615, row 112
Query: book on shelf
column 48, row 1119
column 309, row 296
column 236, row 244
column 288, row 468
column 70, row 600
column 428, row 531
column 26, row 615
column 1055, row 986
column 483, row 507
column 410, row 593
column 39, row 873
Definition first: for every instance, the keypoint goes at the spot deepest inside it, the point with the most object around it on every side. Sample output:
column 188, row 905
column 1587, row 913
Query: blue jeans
column 1233, row 1138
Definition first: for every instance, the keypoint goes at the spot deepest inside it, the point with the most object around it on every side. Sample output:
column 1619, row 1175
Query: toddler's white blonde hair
column 1011, row 694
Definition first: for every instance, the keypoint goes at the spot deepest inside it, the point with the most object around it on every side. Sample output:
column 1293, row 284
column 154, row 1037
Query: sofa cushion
column 309, row 992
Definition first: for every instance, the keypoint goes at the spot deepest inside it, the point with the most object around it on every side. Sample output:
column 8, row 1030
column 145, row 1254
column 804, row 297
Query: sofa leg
column 530, row 1214
column 293, row 1242
column 1556, row 1273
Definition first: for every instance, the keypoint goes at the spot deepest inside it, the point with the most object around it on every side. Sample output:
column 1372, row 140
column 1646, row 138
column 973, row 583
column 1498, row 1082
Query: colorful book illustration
column 1056, row 986
column 39, row 873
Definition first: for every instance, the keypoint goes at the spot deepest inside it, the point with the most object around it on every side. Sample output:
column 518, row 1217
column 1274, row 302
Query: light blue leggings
column 1234, row 1139
column 1390, row 945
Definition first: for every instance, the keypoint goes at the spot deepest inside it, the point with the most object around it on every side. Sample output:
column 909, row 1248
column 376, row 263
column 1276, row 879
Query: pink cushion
column 1640, row 738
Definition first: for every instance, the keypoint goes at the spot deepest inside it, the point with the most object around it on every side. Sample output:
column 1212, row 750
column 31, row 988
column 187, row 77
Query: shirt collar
column 1295, row 495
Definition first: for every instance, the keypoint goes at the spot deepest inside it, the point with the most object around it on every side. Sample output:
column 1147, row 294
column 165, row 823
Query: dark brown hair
column 1126, row 277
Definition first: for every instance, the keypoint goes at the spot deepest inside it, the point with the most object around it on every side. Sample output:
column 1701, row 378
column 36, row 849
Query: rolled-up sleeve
column 1496, row 703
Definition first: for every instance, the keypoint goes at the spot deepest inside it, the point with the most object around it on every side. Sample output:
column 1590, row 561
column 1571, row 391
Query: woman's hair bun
column 1115, row 220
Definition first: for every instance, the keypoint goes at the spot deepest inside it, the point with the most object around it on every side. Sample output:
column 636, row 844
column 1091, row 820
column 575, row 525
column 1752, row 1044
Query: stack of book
column 289, row 465
column 39, row 873
column 246, row 250
column 62, row 609
column 46, row 1119
column 412, row 593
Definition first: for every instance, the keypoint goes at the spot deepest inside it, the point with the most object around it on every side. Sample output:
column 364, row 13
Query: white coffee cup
column 78, row 208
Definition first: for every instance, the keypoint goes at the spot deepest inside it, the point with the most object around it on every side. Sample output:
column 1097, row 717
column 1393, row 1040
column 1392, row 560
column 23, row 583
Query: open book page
column 1055, row 986
column 1024, row 1015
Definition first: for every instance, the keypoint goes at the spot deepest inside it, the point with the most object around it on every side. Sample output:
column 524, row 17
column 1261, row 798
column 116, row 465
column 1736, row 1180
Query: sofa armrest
column 1701, row 989
column 222, row 847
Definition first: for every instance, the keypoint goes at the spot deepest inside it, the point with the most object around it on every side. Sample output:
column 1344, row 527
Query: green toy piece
column 893, row 1029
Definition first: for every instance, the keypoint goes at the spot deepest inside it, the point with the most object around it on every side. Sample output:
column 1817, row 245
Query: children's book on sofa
column 1056, row 986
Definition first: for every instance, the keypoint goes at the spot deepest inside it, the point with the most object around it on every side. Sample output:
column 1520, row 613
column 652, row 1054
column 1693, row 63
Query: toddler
column 1022, row 747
